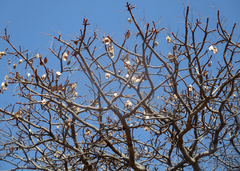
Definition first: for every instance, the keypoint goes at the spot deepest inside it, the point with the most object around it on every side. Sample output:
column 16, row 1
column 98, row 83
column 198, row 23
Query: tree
column 130, row 108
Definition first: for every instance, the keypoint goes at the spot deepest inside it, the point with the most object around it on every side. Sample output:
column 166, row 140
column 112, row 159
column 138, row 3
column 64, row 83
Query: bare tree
column 126, row 108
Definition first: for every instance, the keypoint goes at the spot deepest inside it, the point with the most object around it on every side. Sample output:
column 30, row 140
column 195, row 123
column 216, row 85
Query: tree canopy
column 125, row 105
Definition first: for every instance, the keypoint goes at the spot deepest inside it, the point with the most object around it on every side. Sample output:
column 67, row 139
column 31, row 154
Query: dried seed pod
column 43, row 77
column 41, row 62
column 28, row 74
column 128, row 104
column 210, row 47
column 111, row 55
column 44, row 101
column 134, row 79
column 106, row 41
column 3, row 85
column 129, row 20
column 14, row 66
column 32, row 78
column 155, row 43
column 110, row 49
column 88, row 132
column 107, row 75
column 6, row 78
column 215, row 50
column 58, row 74
column 65, row 56
column 168, row 39
column 20, row 61
column 127, row 35
column 74, row 86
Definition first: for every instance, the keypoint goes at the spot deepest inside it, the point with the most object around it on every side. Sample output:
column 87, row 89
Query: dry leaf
column 126, row 58
column 53, row 88
column 127, row 35
column 69, row 62
column 43, row 77
column 210, row 64
column 59, row 88
column 128, row 104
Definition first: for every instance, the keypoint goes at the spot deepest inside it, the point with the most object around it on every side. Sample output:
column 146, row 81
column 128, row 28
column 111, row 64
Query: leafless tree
column 126, row 108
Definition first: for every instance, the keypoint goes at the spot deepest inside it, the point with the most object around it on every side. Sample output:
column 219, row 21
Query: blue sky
column 28, row 20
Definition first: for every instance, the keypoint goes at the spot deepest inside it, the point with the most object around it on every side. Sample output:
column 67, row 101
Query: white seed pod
column 115, row 94
column 106, row 40
column 210, row 47
column 75, row 94
column 3, row 85
column 138, row 80
column 107, row 75
column 134, row 79
column 43, row 76
column 74, row 86
column 129, row 20
column 168, row 39
column 58, row 74
column 111, row 55
column 190, row 88
column 65, row 56
column 128, row 104
column 215, row 50
column 14, row 66
column 110, row 49
column 28, row 74
column 37, row 56
column 6, row 78
column 155, row 43
column 20, row 61
column 44, row 101
column 1, row 54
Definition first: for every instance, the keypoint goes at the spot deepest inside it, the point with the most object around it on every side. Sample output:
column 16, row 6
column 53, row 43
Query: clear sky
column 28, row 20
